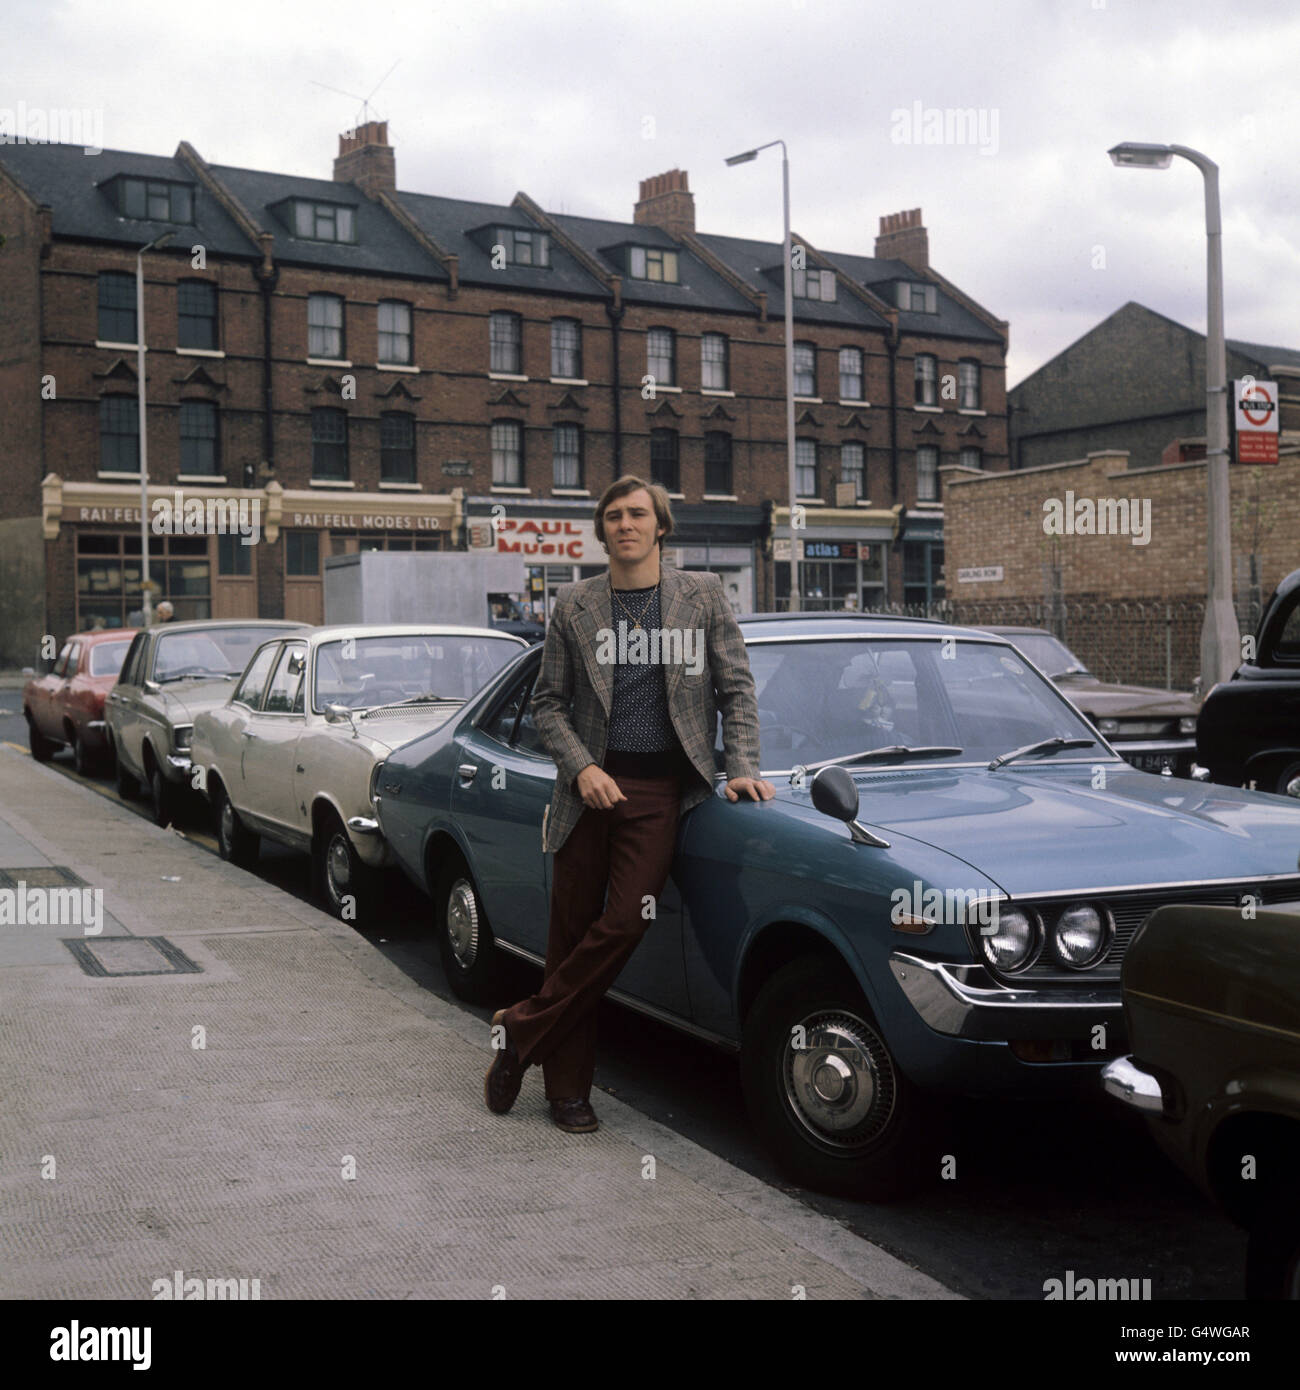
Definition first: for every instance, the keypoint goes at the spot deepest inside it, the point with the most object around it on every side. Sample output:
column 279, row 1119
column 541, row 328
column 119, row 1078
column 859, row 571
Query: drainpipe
column 267, row 276
column 892, row 344
column 615, row 311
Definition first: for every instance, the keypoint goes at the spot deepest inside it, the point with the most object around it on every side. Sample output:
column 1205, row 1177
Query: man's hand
column 753, row 787
column 598, row 789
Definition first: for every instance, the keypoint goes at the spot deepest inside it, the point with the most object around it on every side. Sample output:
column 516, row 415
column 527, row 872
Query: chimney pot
column 903, row 238
column 667, row 202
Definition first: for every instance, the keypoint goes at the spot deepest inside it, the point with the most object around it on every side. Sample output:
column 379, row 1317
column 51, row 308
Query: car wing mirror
column 834, row 793
column 151, row 687
column 340, row 714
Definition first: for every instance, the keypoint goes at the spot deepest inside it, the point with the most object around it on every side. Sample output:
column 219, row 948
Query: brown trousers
column 609, row 863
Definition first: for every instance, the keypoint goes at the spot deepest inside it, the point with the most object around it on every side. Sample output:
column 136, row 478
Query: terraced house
column 379, row 368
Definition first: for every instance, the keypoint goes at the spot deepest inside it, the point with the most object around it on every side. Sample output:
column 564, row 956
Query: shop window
column 302, row 554
column 234, row 558
column 108, row 576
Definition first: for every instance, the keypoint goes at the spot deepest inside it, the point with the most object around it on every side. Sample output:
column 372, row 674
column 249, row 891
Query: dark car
column 1248, row 734
column 1212, row 1010
column 65, row 707
column 1152, row 729
column 936, row 901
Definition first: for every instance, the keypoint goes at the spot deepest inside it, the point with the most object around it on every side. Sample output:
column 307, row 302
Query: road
column 1039, row 1189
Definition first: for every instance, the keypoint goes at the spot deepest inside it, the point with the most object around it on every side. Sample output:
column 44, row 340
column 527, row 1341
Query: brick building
column 1136, row 382
column 378, row 368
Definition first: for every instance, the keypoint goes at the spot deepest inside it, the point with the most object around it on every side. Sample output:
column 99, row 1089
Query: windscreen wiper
column 1045, row 745
column 894, row 750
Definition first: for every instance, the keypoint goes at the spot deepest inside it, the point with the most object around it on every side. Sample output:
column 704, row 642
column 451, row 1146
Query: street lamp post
column 791, row 471
column 1220, row 636
column 147, row 605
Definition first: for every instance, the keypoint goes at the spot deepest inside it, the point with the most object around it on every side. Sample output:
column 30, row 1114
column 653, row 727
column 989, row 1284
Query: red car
column 66, row 707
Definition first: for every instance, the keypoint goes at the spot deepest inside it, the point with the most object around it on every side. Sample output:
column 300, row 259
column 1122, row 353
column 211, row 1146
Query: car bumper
column 368, row 840
column 176, row 767
column 1130, row 1083
column 964, row 1001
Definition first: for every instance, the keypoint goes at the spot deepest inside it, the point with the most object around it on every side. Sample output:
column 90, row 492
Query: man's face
column 631, row 530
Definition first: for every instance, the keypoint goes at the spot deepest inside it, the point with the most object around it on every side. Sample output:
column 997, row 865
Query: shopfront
column 556, row 549
column 844, row 559
column 217, row 552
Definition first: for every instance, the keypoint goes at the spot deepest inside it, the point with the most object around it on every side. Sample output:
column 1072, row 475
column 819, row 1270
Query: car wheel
column 824, row 1092
column 236, row 843
column 1288, row 780
column 1273, row 1253
column 162, row 796
column 127, row 786
column 343, row 883
column 42, row 749
column 465, row 940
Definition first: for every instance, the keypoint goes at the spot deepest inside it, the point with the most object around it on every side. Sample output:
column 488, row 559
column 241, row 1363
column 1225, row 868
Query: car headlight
column 1081, row 936
column 374, row 781
column 1108, row 726
column 181, row 735
column 1015, row 943
column 1188, row 725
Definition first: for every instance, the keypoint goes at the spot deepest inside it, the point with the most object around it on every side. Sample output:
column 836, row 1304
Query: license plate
column 1155, row 762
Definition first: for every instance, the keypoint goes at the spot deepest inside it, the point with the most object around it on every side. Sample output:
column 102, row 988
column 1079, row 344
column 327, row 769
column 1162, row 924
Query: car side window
column 74, row 660
column 500, row 723
column 61, row 665
column 130, row 673
column 286, row 683
column 527, row 737
column 253, row 682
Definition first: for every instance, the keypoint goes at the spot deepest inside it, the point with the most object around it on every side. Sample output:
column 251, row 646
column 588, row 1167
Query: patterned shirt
column 641, row 735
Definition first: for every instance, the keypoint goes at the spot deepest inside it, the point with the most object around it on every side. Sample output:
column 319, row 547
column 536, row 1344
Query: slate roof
column 67, row 180
column 1265, row 356
column 953, row 320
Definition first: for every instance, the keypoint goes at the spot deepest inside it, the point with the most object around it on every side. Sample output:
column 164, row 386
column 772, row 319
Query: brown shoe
column 505, row 1075
column 574, row 1115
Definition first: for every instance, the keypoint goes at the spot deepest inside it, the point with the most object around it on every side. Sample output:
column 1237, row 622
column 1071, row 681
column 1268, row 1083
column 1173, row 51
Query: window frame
column 394, row 333
column 558, row 349
column 319, row 415
column 860, row 473
column 800, row 467
column 861, row 373
column 389, row 451
column 968, row 367
column 131, row 417
column 925, row 385
column 123, row 281
column 927, row 449
column 319, row 299
column 576, row 455
column 722, row 362
column 186, row 317
column 518, row 427
column 186, row 412
column 811, row 371
column 711, row 438
column 500, row 319
column 671, row 359
column 663, row 436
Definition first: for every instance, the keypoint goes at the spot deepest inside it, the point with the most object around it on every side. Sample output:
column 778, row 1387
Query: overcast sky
column 574, row 103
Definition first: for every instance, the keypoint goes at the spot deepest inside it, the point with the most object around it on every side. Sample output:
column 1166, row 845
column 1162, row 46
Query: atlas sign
column 1256, row 415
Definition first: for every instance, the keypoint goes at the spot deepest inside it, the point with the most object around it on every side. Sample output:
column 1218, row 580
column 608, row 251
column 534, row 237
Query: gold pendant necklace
column 624, row 605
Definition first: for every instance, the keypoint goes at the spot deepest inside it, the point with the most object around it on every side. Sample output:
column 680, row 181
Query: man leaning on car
column 637, row 662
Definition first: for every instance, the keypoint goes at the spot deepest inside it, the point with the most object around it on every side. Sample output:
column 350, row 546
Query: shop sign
column 830, row 550
column 539, row 538
column 360, row 521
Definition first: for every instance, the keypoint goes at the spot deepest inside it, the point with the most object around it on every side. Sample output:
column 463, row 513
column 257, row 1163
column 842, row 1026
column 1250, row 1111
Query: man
column 163, row 613
column 637, row 663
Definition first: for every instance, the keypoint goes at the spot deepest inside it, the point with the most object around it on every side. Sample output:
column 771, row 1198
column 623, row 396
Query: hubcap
column 338, row 867
column 1292, row 785
column 840, row 1085
column 462, row 922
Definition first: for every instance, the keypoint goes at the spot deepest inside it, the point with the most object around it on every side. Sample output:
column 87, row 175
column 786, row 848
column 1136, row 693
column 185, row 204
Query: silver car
column 173, row 672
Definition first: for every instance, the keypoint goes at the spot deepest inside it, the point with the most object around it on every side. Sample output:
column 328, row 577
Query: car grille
column 1130, row 910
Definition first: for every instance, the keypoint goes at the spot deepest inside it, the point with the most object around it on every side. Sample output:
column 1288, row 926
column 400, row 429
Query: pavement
column 299, row 1112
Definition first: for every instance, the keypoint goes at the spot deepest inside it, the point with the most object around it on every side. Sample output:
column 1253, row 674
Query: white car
column 292, row 754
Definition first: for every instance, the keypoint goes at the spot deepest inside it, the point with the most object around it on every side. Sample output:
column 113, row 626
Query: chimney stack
column 366, row 158
column 903, row 238
column 668, row 203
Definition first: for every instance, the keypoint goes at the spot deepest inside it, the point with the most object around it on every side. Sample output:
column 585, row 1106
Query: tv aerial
column 364, row 113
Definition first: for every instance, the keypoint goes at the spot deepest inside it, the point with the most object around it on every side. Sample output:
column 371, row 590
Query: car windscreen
column 106, row 658
column 218, row 651
column 825, row 699
column 1051, row 657
column 361, row 672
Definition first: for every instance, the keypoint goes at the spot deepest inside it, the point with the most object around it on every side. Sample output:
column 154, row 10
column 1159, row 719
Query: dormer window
column 523, row 246
column 813, row 284
column 151, row 200
column 917, row 298
column 313, row 221
column 652, row 263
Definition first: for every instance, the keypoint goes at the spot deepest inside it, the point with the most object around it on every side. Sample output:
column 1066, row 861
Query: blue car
column 936, row 902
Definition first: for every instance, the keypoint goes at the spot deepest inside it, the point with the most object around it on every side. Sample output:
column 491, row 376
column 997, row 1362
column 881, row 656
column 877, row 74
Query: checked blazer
column 572, row 697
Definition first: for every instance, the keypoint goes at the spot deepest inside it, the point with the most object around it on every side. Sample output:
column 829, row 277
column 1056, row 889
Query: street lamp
column 147, row 606
column 791, row 471
column 1220, row 636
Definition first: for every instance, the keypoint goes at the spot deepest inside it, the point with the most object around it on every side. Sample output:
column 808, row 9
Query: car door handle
column 300, row 768
column 468, row 771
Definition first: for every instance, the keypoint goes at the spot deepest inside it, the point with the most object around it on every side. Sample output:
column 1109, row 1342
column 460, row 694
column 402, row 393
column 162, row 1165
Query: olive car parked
column 290, row 754
column 171, row 674
column 841, row 937
column 1248, row 733
column 65, row 707
column 1212, row 1005
column 1153, row 729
